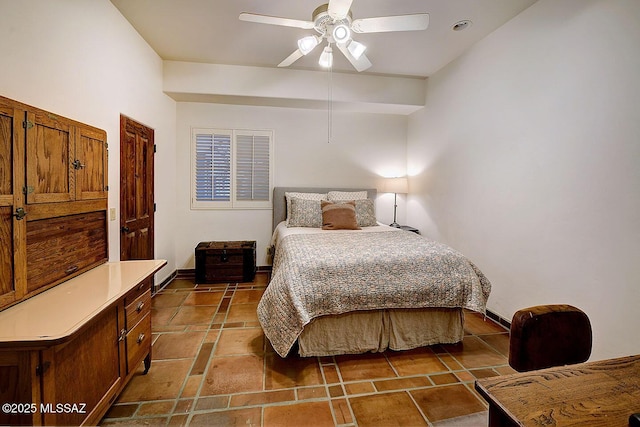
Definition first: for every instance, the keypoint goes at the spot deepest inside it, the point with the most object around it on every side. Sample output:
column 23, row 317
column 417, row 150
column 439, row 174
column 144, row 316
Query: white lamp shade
column 396, row 185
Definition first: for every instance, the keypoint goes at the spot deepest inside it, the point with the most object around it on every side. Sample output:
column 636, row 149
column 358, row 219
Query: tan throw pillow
column 339, row 216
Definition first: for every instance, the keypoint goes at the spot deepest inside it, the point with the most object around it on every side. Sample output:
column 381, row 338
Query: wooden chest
column 218, row 262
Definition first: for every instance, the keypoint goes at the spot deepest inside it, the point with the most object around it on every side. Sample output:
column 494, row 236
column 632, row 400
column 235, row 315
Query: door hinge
column 106, row 188
column 155, row 148
column 27, row 124
column 42, row 368
column 155, row 207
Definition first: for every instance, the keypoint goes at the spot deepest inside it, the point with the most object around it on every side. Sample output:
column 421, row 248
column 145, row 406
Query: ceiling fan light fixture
column 356, row 49
column 306, row 44
column 341, row 33
column 326, row 58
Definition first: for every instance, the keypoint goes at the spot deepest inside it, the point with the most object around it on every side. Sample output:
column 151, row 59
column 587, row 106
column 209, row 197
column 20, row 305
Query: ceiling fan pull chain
column 330, row 105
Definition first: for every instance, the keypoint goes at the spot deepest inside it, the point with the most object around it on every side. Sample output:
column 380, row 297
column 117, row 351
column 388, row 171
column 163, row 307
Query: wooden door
column 12, row 221
column 136, row 190
column 50, row 155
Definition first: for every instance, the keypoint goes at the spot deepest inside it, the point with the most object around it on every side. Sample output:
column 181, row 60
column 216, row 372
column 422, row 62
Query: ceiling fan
column 334, row 23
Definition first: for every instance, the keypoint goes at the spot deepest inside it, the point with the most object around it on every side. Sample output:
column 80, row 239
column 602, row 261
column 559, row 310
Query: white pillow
column 340, row 196
column 305, row 196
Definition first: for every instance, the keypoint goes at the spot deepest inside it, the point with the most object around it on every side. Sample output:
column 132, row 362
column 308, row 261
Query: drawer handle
column 140, row 338
column 139, row 307
column 224, row 257
column 71, row 269
column 123, row 334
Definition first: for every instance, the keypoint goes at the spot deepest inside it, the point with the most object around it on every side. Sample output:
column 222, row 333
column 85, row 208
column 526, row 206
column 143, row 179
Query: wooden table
column 601, row 393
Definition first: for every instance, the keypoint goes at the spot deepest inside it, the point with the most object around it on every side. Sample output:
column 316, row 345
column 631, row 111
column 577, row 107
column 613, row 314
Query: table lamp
column 395, row 186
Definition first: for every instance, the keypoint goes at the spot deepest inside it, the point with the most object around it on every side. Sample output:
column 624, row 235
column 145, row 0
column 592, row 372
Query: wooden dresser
column 66, row 353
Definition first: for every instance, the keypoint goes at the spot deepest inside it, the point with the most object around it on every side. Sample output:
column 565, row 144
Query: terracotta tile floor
column 213, row 366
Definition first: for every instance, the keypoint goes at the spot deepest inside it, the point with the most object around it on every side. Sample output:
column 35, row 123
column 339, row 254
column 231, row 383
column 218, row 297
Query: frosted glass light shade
column 341, row 33
column 356, row 49
column 306, row 44
column 326, row 59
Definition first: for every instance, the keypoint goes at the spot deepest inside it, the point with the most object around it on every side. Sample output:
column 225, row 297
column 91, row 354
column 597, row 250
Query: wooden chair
column 549, row 335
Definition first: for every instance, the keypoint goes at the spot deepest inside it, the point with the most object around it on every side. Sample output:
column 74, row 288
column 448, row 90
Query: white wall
column 363, row 148
column 526, row 159
column 83, row 60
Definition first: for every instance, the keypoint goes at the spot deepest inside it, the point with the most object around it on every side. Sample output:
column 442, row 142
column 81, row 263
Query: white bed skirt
column 377, row 330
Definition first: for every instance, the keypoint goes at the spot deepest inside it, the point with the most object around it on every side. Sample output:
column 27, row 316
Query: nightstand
column 409, row 228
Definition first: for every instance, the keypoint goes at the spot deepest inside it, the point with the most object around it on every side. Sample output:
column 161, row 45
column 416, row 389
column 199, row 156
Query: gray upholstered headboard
column 280, row 203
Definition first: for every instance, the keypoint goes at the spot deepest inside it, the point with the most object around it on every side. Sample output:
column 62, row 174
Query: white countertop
column 62, row 310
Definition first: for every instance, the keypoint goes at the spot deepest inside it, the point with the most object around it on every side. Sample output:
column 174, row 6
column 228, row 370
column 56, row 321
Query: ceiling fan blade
column 418, row 21
column 275, row 20
column 291, row 58
column 338, row 9
column 360, row 64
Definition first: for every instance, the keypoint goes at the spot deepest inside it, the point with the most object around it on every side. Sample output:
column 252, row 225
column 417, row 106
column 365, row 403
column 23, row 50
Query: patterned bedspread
column 321, row 274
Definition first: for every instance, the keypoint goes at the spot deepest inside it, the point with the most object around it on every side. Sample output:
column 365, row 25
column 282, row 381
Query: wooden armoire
column 53, row 200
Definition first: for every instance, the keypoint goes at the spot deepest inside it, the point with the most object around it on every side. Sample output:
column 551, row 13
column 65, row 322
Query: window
column 231, row 169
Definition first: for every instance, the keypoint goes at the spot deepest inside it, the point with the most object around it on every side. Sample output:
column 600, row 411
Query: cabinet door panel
column 50, row 152
column 91, row 157
column 16, row 386
column 58, row 248
column 12, row 229
column 7, row 284
column 6, row 151
column 84, row 371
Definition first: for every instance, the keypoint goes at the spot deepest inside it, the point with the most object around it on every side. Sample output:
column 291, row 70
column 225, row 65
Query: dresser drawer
column 137, row 309
column 140, row 289
column 138, row 342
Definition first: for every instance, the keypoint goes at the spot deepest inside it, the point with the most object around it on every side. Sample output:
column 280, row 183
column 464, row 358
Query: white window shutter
column 253, row 166
column 212, row 168
column 231, row 169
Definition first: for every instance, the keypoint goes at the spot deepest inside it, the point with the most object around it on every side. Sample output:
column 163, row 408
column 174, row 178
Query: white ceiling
column 209, row 31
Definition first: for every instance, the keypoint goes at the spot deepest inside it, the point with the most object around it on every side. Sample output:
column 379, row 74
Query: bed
column 363, row 289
